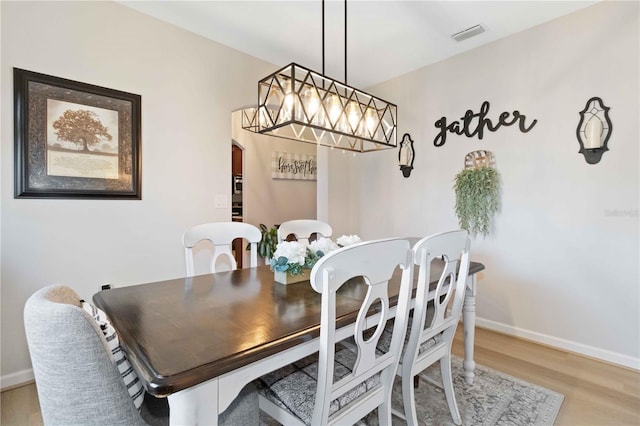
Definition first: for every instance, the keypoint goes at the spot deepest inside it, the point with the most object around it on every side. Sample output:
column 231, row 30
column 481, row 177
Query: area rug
column 494, row 398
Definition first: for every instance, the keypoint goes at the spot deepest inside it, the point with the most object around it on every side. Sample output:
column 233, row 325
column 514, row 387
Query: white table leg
column 469, row 328
column 197, row 405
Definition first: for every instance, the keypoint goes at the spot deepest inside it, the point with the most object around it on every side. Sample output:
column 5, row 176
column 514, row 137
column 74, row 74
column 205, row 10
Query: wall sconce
column 594, row 130
column 406, row 155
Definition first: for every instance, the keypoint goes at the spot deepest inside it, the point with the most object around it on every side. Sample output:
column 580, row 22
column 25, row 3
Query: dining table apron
column 199, row 340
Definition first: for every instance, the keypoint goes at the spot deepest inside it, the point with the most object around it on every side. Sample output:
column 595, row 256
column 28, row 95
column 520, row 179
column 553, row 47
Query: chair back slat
column 221, row 235
column 302, row 229
column 452, row 248
column 374, row 262
column 436, row 313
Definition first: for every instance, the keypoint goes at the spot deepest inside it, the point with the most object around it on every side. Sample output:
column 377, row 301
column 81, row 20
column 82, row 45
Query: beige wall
column 563, row 263
column 266, row 200
column 189, row 87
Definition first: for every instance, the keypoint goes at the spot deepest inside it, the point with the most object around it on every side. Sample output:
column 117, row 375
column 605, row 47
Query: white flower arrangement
column 324, row 245
column 347, row 240
column 293, row 251
column 292, row 256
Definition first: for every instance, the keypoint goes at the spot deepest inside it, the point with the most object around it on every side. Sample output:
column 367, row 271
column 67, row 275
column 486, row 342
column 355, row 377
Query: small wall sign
column 288, row 165
column 473, row 124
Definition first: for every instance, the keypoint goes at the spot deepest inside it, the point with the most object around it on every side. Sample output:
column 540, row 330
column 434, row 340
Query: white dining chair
column 337, row 386
column 302, row 229
column 221, row 235
column 435, row 315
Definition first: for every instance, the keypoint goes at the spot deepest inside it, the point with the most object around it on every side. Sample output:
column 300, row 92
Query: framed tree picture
column 75, row 140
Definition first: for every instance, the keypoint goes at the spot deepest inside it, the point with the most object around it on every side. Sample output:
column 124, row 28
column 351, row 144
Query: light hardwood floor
column 596, row 393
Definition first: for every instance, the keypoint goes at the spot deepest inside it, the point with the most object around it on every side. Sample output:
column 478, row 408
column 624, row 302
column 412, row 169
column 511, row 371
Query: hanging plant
column 477, row 198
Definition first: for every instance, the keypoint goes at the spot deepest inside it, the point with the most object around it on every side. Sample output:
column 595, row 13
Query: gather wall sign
column 474, row 124
column 290, row 165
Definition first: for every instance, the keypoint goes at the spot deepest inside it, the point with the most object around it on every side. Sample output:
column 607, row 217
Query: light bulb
column 262, row 118
column 334, row 109
column 288, row 101
column 312, row 105
column 370, row 121
column 354, row 115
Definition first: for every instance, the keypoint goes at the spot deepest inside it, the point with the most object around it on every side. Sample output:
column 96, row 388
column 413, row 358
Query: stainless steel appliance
column 237, row 184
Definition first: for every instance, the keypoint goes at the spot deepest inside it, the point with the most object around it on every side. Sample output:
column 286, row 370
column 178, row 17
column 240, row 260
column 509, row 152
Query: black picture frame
column 75, row 140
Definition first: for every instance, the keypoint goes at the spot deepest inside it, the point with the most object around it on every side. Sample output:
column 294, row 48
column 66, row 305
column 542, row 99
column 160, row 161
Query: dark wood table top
column 182, row 332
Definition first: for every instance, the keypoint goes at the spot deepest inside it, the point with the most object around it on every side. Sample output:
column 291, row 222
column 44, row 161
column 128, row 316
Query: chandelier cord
column 345, row 40
column 323, row 37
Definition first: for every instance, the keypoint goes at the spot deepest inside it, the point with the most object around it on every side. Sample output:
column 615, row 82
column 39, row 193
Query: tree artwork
column 81, row 127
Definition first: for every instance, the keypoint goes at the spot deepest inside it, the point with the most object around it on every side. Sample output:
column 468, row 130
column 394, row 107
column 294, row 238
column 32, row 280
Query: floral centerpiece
column 292, row 261
column 347, row 240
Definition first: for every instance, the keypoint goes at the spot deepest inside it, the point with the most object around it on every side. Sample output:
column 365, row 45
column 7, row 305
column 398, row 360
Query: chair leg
column 447, row 383
column 384, row 412
column 408, row 400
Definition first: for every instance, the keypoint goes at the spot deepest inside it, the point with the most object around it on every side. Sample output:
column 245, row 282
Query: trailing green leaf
column 269, row 242
column 477, row 198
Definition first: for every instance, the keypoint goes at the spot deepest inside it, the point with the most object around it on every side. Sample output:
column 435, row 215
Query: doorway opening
column 236, row 197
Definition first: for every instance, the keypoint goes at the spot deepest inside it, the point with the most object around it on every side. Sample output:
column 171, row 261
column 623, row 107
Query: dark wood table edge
column 162, row 386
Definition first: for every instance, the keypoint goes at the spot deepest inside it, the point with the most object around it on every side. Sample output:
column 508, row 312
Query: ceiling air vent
column 468, row 33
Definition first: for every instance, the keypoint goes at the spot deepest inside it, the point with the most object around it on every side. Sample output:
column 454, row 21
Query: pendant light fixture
column 304, row 105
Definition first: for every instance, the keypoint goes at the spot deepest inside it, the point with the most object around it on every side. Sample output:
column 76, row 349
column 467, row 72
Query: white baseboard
column 16, row 379
column 568, row 345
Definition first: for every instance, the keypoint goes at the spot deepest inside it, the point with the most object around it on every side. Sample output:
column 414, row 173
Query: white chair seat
column 385, row 340
column 294, row 387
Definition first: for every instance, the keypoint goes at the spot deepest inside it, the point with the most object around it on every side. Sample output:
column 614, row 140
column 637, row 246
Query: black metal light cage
column 300, row 104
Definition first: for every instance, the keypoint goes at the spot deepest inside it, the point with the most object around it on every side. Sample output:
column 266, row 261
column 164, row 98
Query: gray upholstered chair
column 77, row 382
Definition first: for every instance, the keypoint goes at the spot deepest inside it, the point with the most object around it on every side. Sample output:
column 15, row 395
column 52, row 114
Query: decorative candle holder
column 594, row 130
column 406, row 155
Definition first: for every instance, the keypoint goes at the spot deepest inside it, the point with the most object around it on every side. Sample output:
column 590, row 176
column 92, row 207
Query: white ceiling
column 385, row 39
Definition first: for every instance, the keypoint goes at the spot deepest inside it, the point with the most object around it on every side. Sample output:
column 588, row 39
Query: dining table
column 199, row 340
